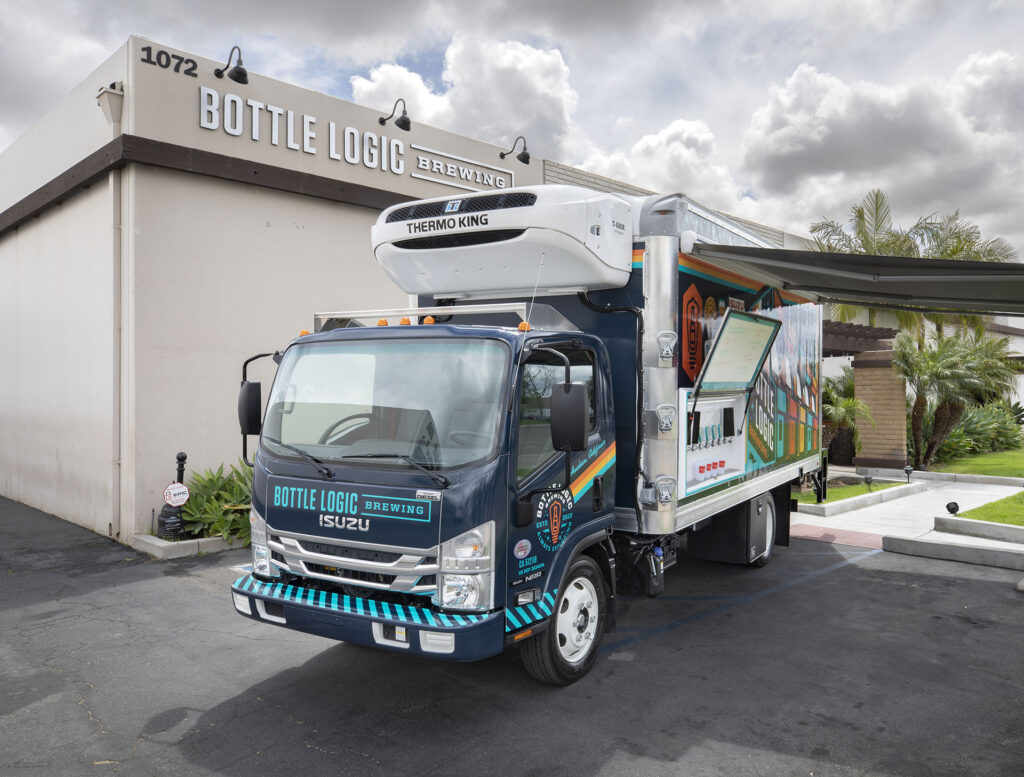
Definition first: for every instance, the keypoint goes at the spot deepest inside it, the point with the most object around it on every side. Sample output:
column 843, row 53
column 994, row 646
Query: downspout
column 111, row 100
column 114, row 528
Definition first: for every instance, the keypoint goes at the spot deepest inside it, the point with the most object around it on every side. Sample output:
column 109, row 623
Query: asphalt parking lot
column 832, row 660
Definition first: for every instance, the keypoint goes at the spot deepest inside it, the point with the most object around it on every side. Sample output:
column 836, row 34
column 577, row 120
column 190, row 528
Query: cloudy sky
column 784, row 111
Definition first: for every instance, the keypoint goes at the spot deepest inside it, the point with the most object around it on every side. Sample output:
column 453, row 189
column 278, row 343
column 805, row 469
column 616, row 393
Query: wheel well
column 600, row 554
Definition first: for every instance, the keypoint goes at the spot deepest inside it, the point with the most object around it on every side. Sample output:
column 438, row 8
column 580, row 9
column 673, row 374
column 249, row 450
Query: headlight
column 466, row 592
column 465, row 581
column 258, row 542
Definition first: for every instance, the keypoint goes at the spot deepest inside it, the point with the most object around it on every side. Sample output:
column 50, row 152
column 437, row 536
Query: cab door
column 560, row 514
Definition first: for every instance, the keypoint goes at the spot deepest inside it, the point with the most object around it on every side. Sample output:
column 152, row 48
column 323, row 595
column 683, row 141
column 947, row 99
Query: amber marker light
column 303, row 332
column 382, row 322
column 404, row 322
column 524, row 326
column 428, row 319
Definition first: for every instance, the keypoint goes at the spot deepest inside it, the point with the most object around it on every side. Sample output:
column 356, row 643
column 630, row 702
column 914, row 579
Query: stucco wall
column 222, row 271
column 57, row 372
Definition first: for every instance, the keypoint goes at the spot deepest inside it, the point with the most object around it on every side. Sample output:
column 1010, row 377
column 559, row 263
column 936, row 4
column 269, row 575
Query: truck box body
column 677, row 293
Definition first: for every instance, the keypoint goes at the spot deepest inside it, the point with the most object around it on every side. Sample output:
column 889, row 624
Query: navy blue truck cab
column 575, row 401
column 408, row 494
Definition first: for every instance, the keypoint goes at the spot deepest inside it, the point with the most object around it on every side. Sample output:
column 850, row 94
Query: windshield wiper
column 326, row 472
column 438, row 479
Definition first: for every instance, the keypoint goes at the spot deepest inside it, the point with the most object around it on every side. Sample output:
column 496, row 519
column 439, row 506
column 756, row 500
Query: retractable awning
column 939, row 285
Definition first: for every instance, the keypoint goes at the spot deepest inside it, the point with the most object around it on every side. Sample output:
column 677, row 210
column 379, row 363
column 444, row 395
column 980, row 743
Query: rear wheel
column 567, row 649
column 765, row 502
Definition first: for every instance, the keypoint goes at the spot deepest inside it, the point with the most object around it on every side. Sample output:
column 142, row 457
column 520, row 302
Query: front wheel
column 567, row 649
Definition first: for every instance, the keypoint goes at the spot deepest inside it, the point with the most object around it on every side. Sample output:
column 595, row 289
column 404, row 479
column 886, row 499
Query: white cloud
column 935, row 145
column 493, row 90
column 818, row 125
column 668, row 94
column 989, row 88
column 36, row 77
column 386, row 83
column 680, row 157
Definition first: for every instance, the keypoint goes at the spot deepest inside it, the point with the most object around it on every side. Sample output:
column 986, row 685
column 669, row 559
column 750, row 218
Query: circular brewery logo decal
column 522, row 549
column 554, row 519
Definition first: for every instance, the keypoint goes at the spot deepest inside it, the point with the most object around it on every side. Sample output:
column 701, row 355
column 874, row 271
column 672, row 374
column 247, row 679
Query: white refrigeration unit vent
column 512, row 243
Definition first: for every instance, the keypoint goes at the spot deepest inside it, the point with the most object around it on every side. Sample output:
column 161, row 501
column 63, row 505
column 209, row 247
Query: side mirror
column 570, row 411
column 250, row 403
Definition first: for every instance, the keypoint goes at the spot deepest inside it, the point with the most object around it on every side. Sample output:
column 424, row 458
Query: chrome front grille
column 363, row 564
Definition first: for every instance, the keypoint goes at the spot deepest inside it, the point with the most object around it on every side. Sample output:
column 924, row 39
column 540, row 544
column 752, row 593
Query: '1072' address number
column 164, row 59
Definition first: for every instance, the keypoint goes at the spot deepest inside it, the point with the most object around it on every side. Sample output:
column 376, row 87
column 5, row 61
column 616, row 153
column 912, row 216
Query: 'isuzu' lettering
column 344, row 522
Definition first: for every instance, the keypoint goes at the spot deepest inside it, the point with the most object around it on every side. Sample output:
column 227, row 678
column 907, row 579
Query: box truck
column 589, row 386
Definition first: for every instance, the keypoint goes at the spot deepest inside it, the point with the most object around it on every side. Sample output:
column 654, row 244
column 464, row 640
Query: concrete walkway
column 907, row 525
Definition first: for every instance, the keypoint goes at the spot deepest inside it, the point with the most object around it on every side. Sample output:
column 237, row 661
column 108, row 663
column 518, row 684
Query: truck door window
column 540, row 373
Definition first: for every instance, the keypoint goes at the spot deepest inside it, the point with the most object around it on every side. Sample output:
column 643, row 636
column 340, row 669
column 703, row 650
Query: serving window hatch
column 737, row 353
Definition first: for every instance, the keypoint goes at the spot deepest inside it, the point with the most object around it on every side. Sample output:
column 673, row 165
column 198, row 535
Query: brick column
column 884, row 391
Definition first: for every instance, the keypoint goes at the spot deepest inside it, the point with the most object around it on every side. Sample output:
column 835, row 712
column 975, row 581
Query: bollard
column 169, row 525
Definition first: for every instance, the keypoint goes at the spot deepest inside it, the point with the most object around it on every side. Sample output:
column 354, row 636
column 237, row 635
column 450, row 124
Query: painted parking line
column 734, row 602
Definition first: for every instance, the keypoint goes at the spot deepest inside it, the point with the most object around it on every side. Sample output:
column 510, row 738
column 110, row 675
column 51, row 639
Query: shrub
column 1015, row 410
column 218, row 504
column 992, row 428
column 956, row 445
column 980, row 430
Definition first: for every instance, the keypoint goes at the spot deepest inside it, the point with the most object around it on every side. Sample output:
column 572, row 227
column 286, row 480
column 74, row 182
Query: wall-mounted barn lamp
column 402, row 122
column 523, row 156
column 238, row 74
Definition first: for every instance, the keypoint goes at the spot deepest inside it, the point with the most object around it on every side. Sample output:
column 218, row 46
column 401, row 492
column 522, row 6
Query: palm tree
column 916, row 365
column 840, row 408
column 871, row 231
column 956, row 371
column 955, row 238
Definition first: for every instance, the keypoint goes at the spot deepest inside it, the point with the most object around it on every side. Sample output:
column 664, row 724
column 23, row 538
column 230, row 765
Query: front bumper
column 402, row 628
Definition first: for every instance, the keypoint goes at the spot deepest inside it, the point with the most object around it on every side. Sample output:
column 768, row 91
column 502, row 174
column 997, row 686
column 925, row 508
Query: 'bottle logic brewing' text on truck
column 591, row 384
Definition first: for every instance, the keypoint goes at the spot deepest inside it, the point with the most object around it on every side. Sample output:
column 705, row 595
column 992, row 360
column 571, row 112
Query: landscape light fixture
column 523, row 156
column 908, row 469
column 238, row 74
column 402, row 122
column 952, row 508
column 868, row 479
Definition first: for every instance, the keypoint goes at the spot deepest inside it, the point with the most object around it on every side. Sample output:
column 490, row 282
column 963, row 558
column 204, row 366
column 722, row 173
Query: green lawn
column 1006, row 463
column 835, row 493
column 1008, row 510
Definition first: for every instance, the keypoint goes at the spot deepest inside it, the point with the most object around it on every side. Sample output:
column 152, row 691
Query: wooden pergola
column 840, row 339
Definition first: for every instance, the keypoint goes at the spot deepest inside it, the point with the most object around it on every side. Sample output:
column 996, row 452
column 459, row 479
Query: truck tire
column 769, row 505
column 568, row 648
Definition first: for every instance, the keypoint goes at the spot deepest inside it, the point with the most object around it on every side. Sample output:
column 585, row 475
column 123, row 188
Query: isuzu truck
column 590, row 386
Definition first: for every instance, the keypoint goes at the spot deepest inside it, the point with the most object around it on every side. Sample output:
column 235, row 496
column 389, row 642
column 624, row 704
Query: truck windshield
column 434, row 402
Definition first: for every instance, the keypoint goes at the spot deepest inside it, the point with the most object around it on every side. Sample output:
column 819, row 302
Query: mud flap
column 783, row 508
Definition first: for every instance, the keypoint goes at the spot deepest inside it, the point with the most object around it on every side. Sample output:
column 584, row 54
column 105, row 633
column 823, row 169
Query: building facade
column 159, row 226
